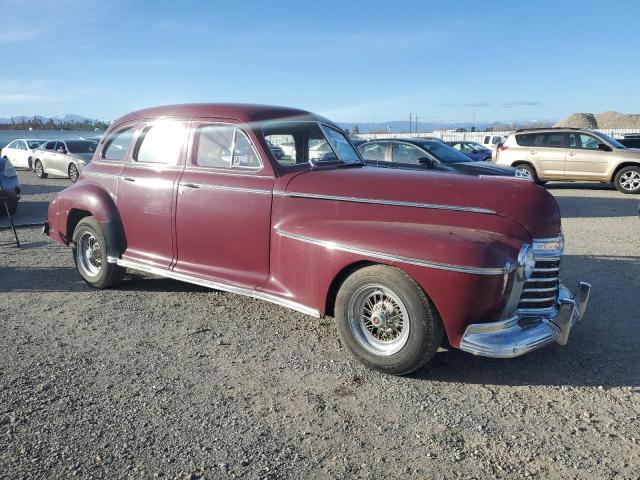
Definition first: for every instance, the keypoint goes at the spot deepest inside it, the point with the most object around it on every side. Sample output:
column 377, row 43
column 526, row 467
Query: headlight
column 526, row 262
column 549, row 246
column 9, row 171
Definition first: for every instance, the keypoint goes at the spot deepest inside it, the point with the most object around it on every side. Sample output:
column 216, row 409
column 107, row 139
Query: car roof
column 243, row 112
column 416, row 141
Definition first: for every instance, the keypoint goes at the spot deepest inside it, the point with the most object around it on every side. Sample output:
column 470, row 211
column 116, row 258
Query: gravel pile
column 601, row 120
column 160, row 379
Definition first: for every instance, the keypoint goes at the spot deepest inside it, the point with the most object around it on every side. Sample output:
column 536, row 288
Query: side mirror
column 604, row 147
column 427, row 162
column 61, row 150
column 475, row 151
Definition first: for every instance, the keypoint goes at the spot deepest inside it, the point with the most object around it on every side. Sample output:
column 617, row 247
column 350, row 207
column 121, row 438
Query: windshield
column 445, row 153
column 612, row 141
column 81, row 146
column 310, row 142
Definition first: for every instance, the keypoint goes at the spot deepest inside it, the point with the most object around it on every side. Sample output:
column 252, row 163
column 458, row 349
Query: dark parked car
column 431, row 154
column 630, row 142
column 9, row 187
column 400, row 258
column 473, row 150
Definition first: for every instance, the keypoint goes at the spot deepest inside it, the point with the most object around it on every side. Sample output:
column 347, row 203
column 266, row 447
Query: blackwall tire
column 39, row 170
column 627, row 180
column 90, row 255
column 386, row 321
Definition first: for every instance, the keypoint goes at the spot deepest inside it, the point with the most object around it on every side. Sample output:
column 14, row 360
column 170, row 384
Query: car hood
column 519, row 200
column 484, row 168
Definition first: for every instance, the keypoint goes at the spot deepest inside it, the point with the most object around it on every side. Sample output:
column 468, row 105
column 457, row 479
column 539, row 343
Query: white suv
column 572, row 154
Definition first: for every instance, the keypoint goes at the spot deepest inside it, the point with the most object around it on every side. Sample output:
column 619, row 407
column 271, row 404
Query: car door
column 46, row 155
column 11, row 152
column 547, row 154
column 21, row 156
column 146, row 191
column 584, row 160
column 56, row 159
column 223, row 214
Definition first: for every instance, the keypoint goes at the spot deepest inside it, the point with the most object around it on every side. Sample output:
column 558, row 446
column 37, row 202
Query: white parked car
column 20, row 152
column 492, row 142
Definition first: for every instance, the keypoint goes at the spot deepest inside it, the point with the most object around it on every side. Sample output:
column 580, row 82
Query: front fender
column 81, row 200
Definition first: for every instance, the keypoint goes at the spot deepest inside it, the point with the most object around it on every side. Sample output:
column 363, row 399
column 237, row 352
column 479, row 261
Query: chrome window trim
column 394, row 203
column 183, row 277
column 397, row 258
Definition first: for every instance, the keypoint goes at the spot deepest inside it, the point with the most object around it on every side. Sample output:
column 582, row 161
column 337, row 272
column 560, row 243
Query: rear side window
column 224, row 146
column 161, row 143
column 555, row 140
column 526, row 139
column 12, row 144
column 118, row 145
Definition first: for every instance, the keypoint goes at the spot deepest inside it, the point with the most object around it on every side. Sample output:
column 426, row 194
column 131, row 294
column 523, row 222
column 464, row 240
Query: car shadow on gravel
column 552, row 185
column 602, row 349
column 598, row 207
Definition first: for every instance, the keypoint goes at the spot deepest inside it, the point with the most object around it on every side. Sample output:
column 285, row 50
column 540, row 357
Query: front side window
column 373, row 151
column 161, row 143
column 118, row 145
column 50, row 146
column 312, row 143
column 34, row 144
column 224, row 146
column 406, row 153
column 445, row 153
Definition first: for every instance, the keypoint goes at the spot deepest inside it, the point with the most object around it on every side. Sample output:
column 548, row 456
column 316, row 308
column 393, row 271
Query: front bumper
column 522, row 334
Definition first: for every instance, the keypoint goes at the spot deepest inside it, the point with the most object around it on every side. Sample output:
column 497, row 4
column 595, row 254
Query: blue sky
column 352, row 61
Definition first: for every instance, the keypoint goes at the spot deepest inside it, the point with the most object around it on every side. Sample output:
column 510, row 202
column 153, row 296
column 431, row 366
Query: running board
column 163, row 272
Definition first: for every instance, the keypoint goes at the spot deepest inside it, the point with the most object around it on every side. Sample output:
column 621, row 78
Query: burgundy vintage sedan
column 400, row 258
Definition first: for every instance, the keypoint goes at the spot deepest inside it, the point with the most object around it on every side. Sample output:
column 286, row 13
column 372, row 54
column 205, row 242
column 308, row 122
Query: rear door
column 547, row 154
column 146, row 191
column 584, row 160
column 46, row 155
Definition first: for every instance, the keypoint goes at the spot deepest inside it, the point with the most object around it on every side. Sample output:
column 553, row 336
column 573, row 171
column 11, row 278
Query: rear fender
column 82, row 200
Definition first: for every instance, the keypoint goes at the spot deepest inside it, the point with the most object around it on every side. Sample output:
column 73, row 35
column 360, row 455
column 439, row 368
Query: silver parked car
column 63, row 157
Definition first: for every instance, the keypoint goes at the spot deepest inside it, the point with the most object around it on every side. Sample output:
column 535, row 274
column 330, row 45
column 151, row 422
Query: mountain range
column 66, row 118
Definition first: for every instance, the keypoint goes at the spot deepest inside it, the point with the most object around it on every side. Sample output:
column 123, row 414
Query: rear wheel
column 73, row 173
column 526, row 170
column 90, row 255
column 627, row 180
column 386, row 320
column 39, row 170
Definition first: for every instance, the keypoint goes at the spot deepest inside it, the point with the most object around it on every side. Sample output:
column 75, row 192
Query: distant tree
column 356, row 130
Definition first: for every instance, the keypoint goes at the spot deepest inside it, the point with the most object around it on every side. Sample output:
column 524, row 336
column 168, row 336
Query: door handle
column 190, row 185
column 571, row 154
column 532, row 152
column 129, row 179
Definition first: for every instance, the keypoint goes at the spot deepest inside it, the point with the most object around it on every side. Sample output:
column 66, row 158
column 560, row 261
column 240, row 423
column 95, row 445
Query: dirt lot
column 159, row 378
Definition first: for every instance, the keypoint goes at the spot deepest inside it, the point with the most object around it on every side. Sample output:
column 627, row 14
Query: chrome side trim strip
column 99, row 174
column 162, row 272
column 394, row 203
column 396, row 258
column 228, row 188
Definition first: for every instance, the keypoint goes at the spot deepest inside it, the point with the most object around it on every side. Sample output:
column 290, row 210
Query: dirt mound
column 600, row 120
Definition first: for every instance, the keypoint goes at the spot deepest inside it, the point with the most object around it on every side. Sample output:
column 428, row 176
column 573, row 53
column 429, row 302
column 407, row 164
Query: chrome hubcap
column 89, row 254
column 73, row 172
column 523, row 172
column 38, row 168
column 378, row 320
column 630, row 180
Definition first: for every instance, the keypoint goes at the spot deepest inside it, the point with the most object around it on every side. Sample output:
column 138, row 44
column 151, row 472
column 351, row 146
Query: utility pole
column 410, row 120
column 416, row 123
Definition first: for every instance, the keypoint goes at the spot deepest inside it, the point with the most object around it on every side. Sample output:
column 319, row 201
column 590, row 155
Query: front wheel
column 39, row 170
column 386, row 320
column 627, row 180
column 90, row 255
column 73, row 173
column 527, row 171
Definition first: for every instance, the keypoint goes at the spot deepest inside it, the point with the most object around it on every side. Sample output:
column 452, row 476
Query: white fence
column 476, row 136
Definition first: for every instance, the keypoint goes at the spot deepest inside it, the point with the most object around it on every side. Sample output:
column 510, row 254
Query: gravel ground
column 162, row 379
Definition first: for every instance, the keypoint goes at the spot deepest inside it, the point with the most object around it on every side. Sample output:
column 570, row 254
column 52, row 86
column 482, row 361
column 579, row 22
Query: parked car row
column 406, row 260
column 64, row 158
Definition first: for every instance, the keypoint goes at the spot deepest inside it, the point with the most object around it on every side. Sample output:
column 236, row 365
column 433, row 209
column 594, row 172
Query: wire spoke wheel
column 89, row 254
column 73, row 173
column 378, row 319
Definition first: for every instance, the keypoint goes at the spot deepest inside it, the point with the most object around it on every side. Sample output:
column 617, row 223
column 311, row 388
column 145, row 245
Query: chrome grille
column 540, row 292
